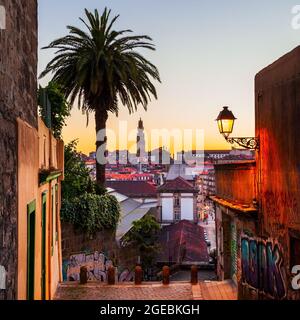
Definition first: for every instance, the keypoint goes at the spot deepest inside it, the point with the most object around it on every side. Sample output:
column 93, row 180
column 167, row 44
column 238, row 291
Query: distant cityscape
column 158, row 216
column 176, row 192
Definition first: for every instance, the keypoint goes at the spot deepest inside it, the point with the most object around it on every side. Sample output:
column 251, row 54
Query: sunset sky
column 207, row 52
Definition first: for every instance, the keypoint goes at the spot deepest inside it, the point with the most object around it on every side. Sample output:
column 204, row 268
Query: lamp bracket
column 251, row 143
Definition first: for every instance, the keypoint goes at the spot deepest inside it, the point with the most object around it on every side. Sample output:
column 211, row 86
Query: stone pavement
column 98, row 291
column 215, row 290
column 204, row 290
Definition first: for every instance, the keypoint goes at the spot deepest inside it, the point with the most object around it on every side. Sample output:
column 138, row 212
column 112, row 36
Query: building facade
column 40, row 172
column 18, row 75
column 277, row 90
column 258, row 215
column 235, row 215
column 177, row 200
column 31, row 166
column 205, row 183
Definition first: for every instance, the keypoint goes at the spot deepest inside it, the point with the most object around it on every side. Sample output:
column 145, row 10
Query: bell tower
column 141, row 145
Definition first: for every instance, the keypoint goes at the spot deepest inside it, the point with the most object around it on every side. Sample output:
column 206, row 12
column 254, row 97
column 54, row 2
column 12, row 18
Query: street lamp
column 226, row 123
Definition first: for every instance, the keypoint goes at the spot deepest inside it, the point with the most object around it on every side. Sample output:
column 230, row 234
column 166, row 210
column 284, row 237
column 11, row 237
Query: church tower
column 141, row 145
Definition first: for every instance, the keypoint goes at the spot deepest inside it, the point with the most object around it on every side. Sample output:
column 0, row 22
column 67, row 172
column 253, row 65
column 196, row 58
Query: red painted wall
column 277, row 96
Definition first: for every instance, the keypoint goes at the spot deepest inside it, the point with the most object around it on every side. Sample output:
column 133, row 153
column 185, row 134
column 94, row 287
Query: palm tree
column 100, row 67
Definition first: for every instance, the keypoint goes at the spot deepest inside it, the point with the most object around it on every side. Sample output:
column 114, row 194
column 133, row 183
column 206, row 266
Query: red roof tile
column 179, row 184
column 133, row 189
column 183, row 242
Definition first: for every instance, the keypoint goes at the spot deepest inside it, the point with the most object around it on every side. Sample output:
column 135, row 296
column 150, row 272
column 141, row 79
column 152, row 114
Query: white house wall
column 187, row 209
column 167, row 209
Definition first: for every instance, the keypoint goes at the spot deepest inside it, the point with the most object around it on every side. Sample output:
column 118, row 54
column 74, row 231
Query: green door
column 44, row 212
column 30, row 249
column 53, row 221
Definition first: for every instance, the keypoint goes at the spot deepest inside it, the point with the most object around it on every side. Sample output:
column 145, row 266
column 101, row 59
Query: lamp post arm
column 251, row 143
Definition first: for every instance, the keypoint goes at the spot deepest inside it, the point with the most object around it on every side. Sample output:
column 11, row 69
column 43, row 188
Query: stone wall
column 18, row 86
column 76, row 243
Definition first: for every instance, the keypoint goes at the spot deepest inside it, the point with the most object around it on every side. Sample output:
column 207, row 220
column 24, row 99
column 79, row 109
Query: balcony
column 236, row 186
column 51, row 154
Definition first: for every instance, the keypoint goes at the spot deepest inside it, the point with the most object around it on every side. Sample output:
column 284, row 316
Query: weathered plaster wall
column 29, row 189
column 18, row 85
column 277, row 94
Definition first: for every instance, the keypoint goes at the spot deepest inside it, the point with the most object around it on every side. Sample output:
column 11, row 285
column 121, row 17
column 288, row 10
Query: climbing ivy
column 85, row 205
column 60, row 108
column 91, row 212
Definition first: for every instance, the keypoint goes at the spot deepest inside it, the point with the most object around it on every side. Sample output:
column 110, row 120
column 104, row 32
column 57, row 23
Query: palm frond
column 102, row 67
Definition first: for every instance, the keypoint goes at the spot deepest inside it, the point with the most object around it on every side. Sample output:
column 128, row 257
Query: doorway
column 44, row 230
column 226, row 226
column 31, row 209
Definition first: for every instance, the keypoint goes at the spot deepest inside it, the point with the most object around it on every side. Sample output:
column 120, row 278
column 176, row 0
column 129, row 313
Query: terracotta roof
column 179, row 184
column 128, row 176
column 183, row 242
column 133, row 189
column 90, row 161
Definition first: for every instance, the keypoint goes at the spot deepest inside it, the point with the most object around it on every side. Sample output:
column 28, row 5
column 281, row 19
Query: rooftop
column 179, row 184
column 183, row 242
column 128, row 176
column 131, row 210
column 134, row 189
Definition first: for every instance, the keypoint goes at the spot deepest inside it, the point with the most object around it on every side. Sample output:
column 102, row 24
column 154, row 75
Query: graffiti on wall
column 97, row 265
column 233, row 252
column 262, row 266
column 126, row 275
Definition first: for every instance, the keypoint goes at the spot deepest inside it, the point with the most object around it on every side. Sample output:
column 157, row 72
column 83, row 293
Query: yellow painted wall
column 27, row 192
column 38, row 150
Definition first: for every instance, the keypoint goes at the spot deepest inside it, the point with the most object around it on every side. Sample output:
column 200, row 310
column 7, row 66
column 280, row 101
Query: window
column 176, row 200
column 177, row 207
column 44, row 152
column 177, row 216
column 57, row 212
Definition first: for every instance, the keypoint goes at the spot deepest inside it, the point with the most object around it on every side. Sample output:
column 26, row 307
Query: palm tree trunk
column 100, row 118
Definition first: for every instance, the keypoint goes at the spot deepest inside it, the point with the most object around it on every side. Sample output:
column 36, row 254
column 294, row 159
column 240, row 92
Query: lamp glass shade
column 226, row 122
column 226, row 126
